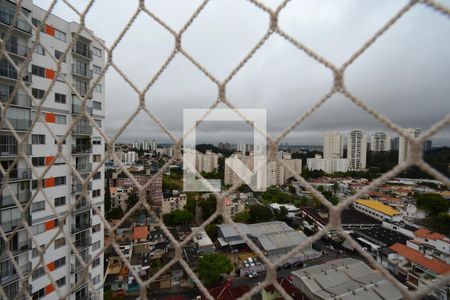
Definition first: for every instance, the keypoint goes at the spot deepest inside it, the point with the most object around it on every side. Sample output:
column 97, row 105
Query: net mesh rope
column 414, row 156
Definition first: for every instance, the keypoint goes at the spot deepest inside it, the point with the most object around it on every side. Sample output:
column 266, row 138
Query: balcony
column 83, row 52
column 81, row 206
column 82, row 129
column 77, row 266
column 81, row 149
column 80, row 71
column 84, row 168
column 7, row 200
column 81, row 226
column 17, row 248
column 17, row 48
column 10, row 274
column 76, row 109
column 13, row 149
column 78, row 188
column 18, row 99
column 17, row 175
column 11, row 73
column 7, row 18
column 17, row 124
column 82, row 243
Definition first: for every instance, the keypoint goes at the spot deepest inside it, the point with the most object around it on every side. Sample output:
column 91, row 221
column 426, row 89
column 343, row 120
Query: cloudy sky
column 405, row 74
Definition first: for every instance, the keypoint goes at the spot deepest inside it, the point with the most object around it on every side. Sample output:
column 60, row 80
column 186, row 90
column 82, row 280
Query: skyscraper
column 403, row 144
column 153, row 145
column 380, row 141
column 83, row 148
column 356, row 150
column 333, row 145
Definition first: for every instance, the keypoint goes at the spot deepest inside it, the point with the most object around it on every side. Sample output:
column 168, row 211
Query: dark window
column 98, row 175
column 37, row 93
column 60, row 180
column 60, row 98
column 38, row 71
column 38, row 161
column 59, row 54
column 96, row 193
column 38, row 139
column 60, row 201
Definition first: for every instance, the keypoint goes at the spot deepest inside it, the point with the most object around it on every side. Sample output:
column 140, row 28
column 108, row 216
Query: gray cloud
column 404, row 74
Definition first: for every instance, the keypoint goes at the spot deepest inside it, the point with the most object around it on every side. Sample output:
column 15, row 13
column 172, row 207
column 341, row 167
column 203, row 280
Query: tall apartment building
column 207, row 162
column 356, row 150
column 83, row 147
column 403, row 144
column 328, row 165
column 380, row 141
column 333, row 145
column 153, row 145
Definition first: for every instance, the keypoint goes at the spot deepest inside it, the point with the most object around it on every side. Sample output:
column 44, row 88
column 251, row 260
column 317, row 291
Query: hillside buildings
column 84, row 147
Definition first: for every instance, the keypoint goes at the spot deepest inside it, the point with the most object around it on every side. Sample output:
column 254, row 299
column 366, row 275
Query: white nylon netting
column 414, row 155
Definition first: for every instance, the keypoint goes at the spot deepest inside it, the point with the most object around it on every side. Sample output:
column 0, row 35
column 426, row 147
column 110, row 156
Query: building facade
column 356, row 150
column 170, row 204
column 83, row 148
column 328, row 165
column 380, row 141
column 403, row 143
column 333, row 145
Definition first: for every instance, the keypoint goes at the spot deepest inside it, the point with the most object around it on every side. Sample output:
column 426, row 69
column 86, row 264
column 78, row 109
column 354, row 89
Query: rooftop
column 427, row 234
column 382, row 235
column 378, row 206
column 346, row 278
column 140, row 232
column 430, row 263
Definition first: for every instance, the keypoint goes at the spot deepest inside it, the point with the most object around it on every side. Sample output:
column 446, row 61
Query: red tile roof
column 427, row 234
column 416, row 257
column 140, row 232
column 288, row 287
column 225, row 292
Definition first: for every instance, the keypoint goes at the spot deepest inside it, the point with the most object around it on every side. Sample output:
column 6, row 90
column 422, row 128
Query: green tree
column 281, row 214
column 242, row 217
column 212, row 266
column 178, row 217
column 115, row 213
column 212, row 230
column 132, row 199
column 292, row 189
column 434, row 204
column 107, row 196
column 259, row 213
column 208, row 206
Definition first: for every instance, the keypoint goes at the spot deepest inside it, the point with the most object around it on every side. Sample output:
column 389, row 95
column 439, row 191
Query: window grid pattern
column 414, row 155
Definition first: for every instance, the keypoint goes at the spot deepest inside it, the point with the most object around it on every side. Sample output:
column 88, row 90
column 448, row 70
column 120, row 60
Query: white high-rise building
column 403, row 144
column 380, row 141
column 84, row 147
column 146, row 146
column 129, row 157
column 333, row 145
column 207, row 162
column 242, row 147
column 356, row 150
column 153, row 145
column 328, row 165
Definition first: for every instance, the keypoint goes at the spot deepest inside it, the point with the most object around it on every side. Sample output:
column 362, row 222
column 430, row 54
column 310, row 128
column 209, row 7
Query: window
column 60, row 180
column 97, row 105
column 39, row 294
column 96, row 246
column 38, row 139
column 60, row 35
column 96, row 193
column 60, row 242
column 59, row 161
column 34, row 251
column 60, row 78
column 96, row 158
column 96, row 140
column 37, row 24
column 38, row 71
column 38, row 161
column 59, row 54
column 60, row 137
column 61, row 119
column 96, row 70
column 60, row 201
column 39, row 49
column 38, row 273
column 96, row 279
column 97, row 52
column 97, row 175
column 96, row 262
column 60, row 98
column 60, row 262
column 38, row 206
column 38, row 228
column 61, row 282
column 96, row 228
column 98, row 88
column 37, row 93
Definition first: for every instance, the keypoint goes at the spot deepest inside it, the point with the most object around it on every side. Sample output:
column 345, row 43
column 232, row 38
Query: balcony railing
column 11, row 73
column 18, row 99
column 82, row 129
column 8, row 200
column 18, row 124
column 8, row 18
column 77, row 266
column 81, row 149
column 76, row 109
column 84, row 52
column 13, row 149
column 84, row 168
column 17, row 48
column 83, row 242
column 81, row 206
column 17, row 248
column 80, row 71
column 78, row 188
column 10, row 274
column 17, row 174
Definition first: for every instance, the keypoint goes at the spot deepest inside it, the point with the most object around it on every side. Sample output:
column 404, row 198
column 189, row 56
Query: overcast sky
column 405, row 74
